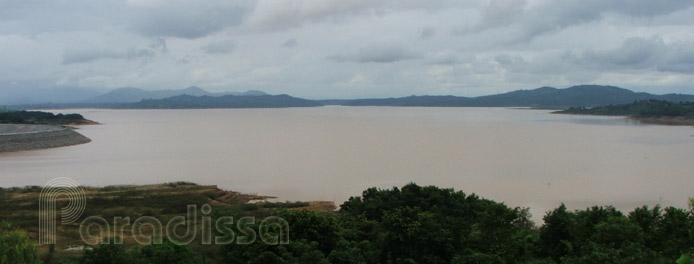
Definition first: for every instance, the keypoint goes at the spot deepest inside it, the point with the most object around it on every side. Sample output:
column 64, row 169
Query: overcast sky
column 348, row 48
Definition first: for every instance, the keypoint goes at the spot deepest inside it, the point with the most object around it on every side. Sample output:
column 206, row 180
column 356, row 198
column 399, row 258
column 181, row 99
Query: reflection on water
column 523, row 157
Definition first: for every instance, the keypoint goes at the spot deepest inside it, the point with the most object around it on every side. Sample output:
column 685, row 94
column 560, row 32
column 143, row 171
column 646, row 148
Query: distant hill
column 131, row 94
column 226, row 101
column 582, row 95
column 194, row 97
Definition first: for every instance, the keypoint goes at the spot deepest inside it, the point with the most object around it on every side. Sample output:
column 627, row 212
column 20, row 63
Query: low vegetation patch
column 43, row 118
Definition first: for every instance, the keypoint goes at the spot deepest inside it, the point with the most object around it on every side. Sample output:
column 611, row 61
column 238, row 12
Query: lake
column 523, row 157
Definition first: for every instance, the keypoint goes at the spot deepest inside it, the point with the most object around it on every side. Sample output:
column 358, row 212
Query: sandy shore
column 32, row 137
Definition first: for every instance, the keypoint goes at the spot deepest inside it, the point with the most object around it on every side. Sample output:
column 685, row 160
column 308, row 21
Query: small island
column 32, row 130
column 649, row 111
column 42, row 118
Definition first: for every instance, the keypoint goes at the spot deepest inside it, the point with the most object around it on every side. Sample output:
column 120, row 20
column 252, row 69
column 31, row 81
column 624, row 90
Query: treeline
column 38, row 117
column 416, row 224
column 640, row 109
column 432, row 225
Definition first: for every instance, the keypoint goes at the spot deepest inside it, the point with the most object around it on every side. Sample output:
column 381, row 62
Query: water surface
column 523, row 157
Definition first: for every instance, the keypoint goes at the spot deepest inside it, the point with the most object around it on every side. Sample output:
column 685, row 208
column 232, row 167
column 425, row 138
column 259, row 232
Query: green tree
column 16, row 246
column 108, row 254
column 555, row 236
column 167, row 253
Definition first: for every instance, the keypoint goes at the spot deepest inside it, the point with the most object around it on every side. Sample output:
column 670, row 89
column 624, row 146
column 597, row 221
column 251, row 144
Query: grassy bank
column 162, row 201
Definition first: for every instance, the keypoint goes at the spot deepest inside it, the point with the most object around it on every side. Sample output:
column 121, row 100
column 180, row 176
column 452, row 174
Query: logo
column 64, row 189
column 68, row 194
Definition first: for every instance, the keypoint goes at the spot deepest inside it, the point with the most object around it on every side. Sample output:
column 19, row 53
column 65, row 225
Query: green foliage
column 15, row 246
column 108, row 254
column 313, row 235
column 416, row 224
column 686, row 259
column 604, row 235
column 167, row 253
column 37, row 117
column 432, row 225
column 648, row 108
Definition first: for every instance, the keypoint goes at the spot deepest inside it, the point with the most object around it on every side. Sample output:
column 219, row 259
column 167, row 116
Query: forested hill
column 227, row 101
column 582, row 95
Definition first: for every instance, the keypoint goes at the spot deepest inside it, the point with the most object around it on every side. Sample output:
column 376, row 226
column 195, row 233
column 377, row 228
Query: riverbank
column 16, row 137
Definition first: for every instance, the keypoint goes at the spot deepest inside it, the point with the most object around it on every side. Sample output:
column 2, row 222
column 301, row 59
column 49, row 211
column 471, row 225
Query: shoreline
column 664, row 120
column 36, row 137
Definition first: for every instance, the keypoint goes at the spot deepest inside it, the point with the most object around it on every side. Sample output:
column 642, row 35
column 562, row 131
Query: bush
column 16, row 246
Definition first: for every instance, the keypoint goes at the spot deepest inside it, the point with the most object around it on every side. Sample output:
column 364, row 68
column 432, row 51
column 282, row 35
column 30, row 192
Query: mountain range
column 546, row 97
column 195, row 97
column 225, row 101
column 131, row 94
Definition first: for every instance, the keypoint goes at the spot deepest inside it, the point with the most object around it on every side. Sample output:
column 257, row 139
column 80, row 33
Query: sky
column 321, row 49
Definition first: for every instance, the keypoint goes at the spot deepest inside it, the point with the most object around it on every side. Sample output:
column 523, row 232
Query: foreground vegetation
column 412, row 224
column 43, row 118
column 650, row 110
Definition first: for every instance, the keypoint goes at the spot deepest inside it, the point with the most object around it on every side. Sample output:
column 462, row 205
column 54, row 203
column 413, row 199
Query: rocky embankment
column 31, row 137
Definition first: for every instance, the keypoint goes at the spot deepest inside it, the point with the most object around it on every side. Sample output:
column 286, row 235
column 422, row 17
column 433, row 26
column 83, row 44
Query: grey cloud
column 505, row 59
column 634, row 52
column 680, row 58
column 640, row 53
column 74, row 55
column 159, row 45
column 427, row 33
column 500, row 13
column 507, row 44
column 181, row 18
column 377, row 54
column 290, row 43
column 227, row 46
column 33, row 17
column 188, row 20
column 446, row 57
column 552, row 16
column 284, row 14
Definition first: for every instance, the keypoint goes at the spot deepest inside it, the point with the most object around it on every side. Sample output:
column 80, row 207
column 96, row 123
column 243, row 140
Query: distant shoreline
column 650, row 111
column 664, row 120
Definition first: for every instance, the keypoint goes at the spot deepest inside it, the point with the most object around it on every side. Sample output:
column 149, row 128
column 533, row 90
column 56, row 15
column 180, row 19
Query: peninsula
column 32, row 130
